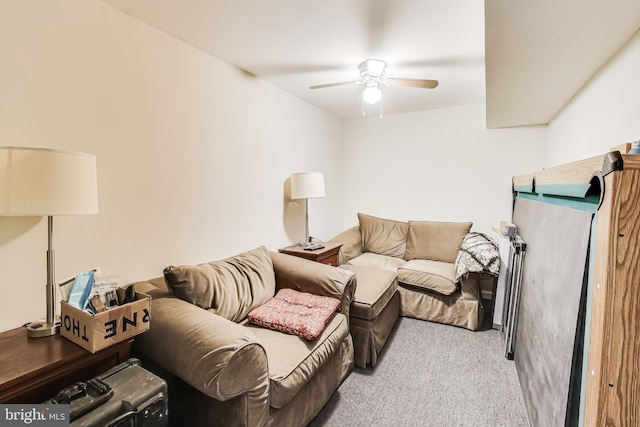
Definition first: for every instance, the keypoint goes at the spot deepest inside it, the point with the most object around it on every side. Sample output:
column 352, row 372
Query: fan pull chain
column 379, row 103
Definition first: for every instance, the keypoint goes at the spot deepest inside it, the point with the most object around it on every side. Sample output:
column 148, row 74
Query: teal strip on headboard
column 523, row 188
column 568, row 190
column 589, row 203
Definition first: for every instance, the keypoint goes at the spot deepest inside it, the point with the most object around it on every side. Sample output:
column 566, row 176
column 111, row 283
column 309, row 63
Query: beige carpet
column 431, row 375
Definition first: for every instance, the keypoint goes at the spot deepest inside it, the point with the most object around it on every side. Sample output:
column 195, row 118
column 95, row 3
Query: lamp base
column 39, row 329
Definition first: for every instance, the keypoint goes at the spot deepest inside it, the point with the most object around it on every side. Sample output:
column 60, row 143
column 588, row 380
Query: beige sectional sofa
column 224, row 370
column 433, row 280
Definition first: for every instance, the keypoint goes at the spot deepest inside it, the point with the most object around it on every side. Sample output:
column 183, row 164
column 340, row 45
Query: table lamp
column 307, row 185
column 44, row 182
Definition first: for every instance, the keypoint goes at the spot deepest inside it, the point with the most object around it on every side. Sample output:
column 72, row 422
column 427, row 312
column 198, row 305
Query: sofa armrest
column 212, row 354
column 351, row 240
column 470, row 287
column 313, row 277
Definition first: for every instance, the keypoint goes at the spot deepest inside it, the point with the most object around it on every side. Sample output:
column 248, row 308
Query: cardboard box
column 94, row 332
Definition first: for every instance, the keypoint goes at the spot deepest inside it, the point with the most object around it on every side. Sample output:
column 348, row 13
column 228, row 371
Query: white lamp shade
column 307, row 185
column 38, row 182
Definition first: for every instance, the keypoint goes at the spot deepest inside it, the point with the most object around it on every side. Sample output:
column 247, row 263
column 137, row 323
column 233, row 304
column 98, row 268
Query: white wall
column 193, row 154
column 605, row 113
column 437, row 165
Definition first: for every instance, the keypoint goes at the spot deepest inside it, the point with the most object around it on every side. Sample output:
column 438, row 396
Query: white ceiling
column 539, row 52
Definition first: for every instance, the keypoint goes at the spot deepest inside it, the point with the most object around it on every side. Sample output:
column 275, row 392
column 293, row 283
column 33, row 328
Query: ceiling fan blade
column 425, row 84
column 333, row 84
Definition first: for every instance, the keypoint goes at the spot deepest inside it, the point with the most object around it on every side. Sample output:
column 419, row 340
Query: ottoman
column 374, row 312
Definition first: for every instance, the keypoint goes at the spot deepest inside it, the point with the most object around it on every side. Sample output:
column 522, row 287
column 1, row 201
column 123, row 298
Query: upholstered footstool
column 374, row 311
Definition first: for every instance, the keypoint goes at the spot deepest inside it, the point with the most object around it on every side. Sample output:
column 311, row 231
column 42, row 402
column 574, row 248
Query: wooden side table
column 327, row 255
column 33, row 370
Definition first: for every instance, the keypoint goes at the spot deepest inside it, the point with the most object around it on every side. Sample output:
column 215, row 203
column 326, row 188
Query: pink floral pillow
column 296, row 313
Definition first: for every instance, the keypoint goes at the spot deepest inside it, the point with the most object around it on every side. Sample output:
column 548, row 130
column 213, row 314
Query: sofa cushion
column 293, row 361
column 382, row 262
column 435, row 276
column 374, row 290
column 297, row 313
column 230, row 288
column 383, row 236
column 437, row 241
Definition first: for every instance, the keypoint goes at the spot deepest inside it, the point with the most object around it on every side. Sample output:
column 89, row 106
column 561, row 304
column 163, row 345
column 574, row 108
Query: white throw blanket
column 478, row 254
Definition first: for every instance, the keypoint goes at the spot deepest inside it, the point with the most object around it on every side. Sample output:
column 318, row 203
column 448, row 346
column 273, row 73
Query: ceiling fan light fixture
column 372, row 68
column 372, row 75
column 372, row 94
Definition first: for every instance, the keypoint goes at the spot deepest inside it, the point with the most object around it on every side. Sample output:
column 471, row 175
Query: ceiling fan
column 372, row 74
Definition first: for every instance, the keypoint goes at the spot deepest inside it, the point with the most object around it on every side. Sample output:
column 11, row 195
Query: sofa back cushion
column 383, row 236
column 230, row 288
column 436, row 241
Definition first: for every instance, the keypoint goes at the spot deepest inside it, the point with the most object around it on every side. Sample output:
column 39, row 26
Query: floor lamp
column 43, row 182
column 306, row 186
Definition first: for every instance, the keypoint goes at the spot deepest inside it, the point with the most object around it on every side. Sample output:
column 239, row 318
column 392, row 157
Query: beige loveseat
column 223, row 370
column 434, row 281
